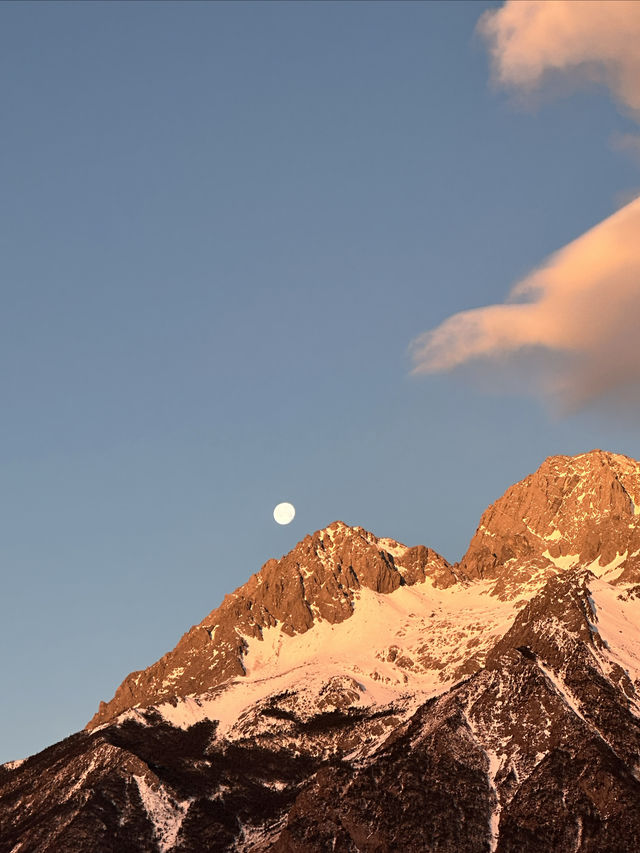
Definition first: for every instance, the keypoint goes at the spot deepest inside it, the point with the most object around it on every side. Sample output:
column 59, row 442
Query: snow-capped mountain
column 362, row 695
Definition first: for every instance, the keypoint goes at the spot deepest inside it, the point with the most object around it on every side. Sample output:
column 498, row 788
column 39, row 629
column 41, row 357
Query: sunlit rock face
column 318, row 581
column 574, row 511
column 361, row 695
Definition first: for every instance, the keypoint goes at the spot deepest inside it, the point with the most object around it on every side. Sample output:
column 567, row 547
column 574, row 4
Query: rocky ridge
column 371, row 697
column 581, row 510
column 573, row 511
column 316, row 582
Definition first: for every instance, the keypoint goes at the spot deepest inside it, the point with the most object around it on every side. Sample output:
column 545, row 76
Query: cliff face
column 359, row 695
column 317, row 581
column 573, row 511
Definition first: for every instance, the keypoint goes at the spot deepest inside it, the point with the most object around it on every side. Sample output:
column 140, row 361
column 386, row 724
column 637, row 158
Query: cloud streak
column 583, row 304
column 574, row 323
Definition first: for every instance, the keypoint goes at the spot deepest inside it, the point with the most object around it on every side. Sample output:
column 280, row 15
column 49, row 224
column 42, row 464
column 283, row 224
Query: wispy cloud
column 582, row 306
column 583, row 303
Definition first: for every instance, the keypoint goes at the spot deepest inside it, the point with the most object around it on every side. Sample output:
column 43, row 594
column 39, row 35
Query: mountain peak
column 574, row 510
column 307, row 710
column 316, row 581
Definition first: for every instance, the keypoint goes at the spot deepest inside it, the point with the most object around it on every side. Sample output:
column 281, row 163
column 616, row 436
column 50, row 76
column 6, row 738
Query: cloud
column 583, row 305
column 571, row 328
column 531, row 40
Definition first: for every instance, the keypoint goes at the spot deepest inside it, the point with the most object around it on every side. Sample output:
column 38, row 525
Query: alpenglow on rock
column 361, row 695
column 316, row 582
column 582, row 510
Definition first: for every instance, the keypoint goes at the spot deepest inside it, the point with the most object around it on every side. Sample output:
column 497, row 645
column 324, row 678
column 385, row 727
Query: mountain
column 362, row 695
column 317, row 584
column 574, row 511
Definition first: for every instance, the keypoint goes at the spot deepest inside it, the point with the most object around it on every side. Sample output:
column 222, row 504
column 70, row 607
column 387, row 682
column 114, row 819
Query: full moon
column 284, row 513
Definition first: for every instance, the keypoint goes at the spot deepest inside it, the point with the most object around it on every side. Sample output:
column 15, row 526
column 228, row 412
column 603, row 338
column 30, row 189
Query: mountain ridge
column 371, row 696
column 318, row 578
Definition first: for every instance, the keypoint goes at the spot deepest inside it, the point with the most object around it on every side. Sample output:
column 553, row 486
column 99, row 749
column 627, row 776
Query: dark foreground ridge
column 536, row 747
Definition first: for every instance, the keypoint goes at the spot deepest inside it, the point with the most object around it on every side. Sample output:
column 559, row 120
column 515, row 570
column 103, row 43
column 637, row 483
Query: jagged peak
column 573, row 510
column 590, row 460
column 318, row 580
column 535, row 697
column 340, row 530
column 341, row 526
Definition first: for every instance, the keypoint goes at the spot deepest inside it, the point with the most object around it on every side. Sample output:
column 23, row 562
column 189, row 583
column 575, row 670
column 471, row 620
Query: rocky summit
column 362, row 695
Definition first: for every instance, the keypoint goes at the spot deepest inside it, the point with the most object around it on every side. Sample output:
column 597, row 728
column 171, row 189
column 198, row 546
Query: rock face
column 578, row 510
column 359, row 695
column 318, row 580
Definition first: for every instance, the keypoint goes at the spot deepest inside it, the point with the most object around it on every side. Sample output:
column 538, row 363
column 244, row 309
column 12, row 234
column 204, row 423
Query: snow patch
column 165, row 813
column 258, row 838
column 566, row 562
column 392, row 547
column 408, row 642
column 563, row 691
column 619, row 625
column 85, row 773
column 494, row 819
column 608, row 569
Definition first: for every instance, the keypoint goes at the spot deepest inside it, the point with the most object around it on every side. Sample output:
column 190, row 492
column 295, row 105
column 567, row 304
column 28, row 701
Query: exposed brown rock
column 573, row 511
column 316, row 580
column 585, row 507
column 535, row 749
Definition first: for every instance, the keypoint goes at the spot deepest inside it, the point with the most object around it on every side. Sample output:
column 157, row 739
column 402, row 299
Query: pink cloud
column 529, row 40
column 573, row 324
column 583, row 304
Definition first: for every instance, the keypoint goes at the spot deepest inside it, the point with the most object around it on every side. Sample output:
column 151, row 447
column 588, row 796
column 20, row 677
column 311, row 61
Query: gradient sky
column 222, row 225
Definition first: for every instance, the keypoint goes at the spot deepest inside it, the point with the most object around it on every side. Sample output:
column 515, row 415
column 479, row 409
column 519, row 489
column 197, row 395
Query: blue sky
column 221, row 227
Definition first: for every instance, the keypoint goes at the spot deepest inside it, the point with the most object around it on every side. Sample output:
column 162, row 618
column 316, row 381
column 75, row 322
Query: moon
column 284, row 513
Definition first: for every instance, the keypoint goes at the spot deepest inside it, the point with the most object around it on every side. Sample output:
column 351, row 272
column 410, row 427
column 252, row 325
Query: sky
column 376, row 259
